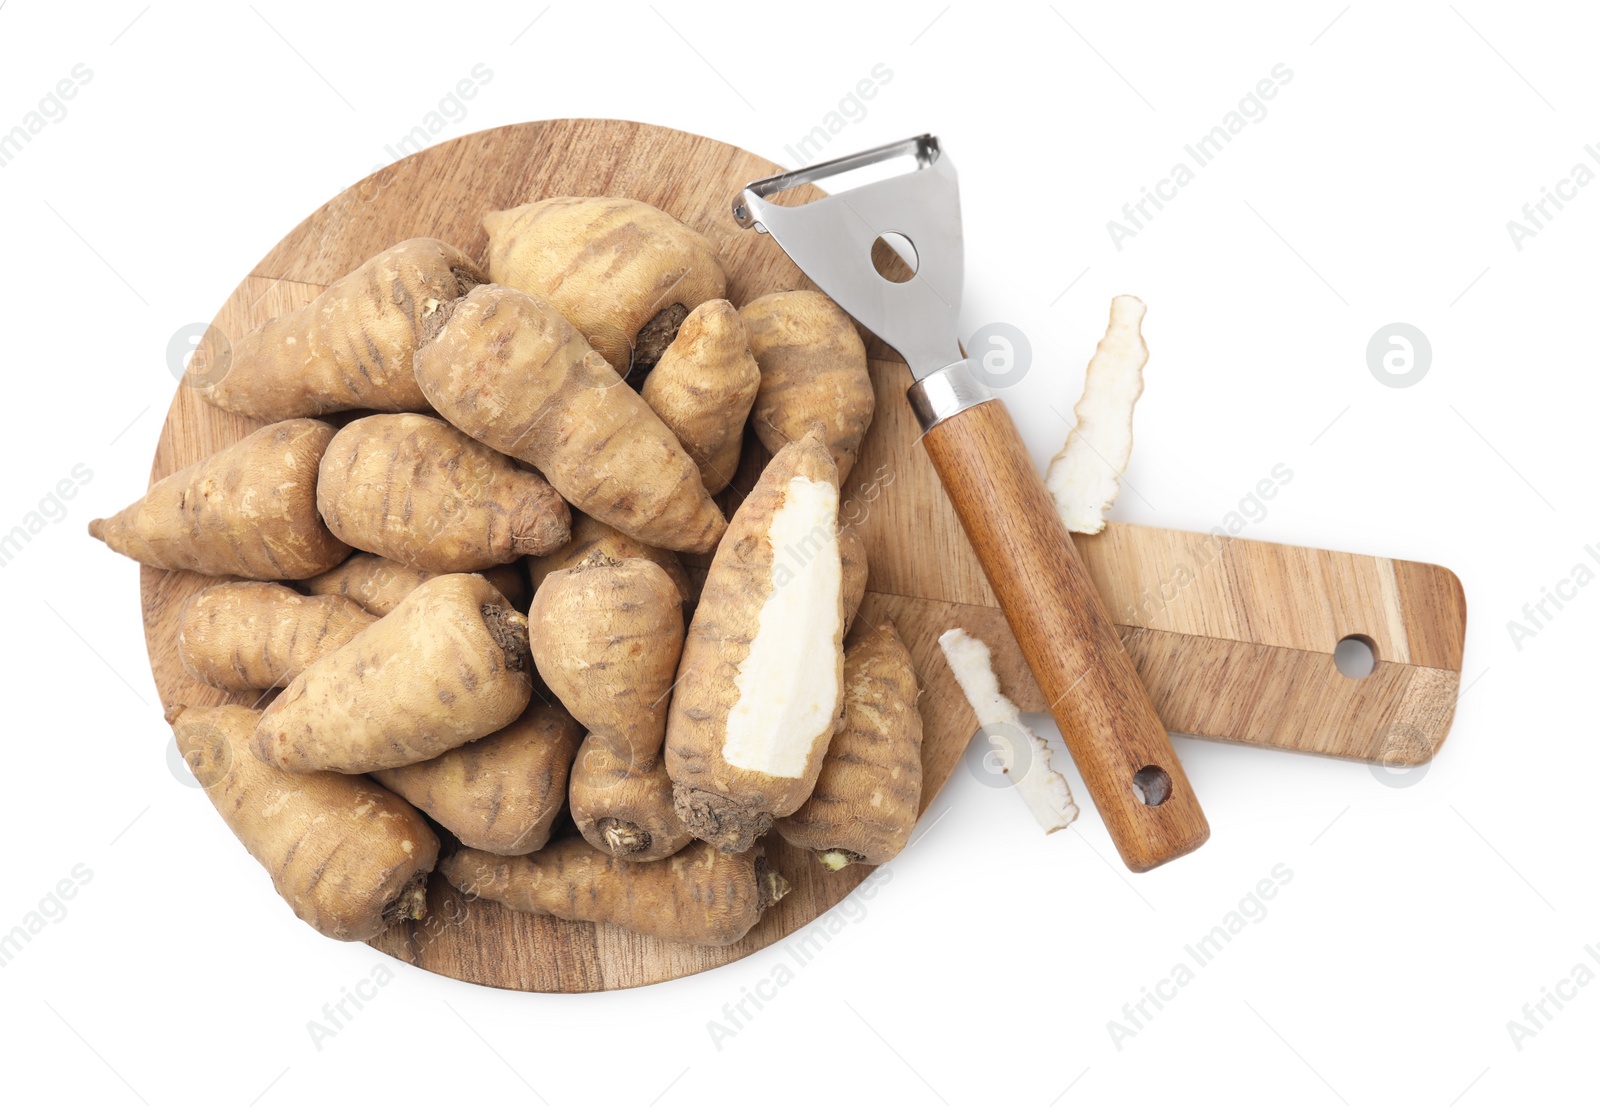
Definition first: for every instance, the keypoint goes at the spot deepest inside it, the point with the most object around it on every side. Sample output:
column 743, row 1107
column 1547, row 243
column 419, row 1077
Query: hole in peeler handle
column 1355, row 656
column 894, row 257
column 1152, row 785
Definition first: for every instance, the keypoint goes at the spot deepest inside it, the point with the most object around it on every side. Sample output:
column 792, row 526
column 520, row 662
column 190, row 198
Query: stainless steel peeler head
column 831, row 240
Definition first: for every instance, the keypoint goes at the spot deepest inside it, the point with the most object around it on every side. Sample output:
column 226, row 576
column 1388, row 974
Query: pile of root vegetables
column 462, row 597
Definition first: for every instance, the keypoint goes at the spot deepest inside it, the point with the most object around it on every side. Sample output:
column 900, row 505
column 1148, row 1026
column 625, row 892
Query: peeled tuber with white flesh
column 1085, row 476
column 349, row 857
column 1026, row 754
column 760, row 686
column 699, row 895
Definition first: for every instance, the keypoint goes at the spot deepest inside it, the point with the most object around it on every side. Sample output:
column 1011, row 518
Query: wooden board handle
column 1072, row 648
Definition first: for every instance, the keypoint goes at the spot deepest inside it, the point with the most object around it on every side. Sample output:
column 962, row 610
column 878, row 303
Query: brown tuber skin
column 725, row 802
column 867, row 796
column 249, row 511
column 447, row 666
column 351, row 348
column 703, row 387
column 424, row 494
column 698, row 895
column 349, row 857
column 590, row 537
column 606, row 637
column 248, row 636
column 502, row 793
column 509, row 371
column 853, row 558
column 378, row 583
column 813, row 369
column 623, row 272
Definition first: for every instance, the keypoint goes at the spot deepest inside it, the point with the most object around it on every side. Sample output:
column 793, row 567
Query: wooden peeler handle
column 1094, row 692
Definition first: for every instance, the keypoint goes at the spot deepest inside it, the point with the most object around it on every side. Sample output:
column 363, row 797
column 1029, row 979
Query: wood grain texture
column 1089, row 683
column 1203, row 678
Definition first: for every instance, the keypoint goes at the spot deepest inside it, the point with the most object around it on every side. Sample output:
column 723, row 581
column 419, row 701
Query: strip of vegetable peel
column 1085, row 476
column 1046, row 791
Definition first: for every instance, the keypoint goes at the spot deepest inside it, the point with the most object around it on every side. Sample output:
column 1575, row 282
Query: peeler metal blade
column 831, row 239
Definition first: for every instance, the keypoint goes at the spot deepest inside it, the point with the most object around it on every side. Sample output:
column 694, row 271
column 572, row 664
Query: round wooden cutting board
column 443, row 192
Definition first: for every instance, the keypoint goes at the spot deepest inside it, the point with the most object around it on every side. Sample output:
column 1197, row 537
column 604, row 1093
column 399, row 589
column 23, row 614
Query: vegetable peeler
column 910, row 300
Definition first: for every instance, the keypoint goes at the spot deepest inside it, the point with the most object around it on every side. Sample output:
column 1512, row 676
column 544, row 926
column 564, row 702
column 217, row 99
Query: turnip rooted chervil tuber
column 867, row 796
column 248, row 511
column 606, row 637
column 462, row 507
column 378, row 583
column 703, row 387
column 447, row 666
column 760, row 686
column 513, row 373
column 623, row 272
column 699, row 895
column 502, row 793
column 590, row 537
column 351, row 348
column 349, row 857
column 245, row 636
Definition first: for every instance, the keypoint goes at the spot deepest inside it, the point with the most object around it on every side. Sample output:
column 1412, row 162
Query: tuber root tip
column 412, row 903
column 771, row 886
column 657, row 336
column 718, row 820
column 837, row 859
column 623, row 838
column 509, row 628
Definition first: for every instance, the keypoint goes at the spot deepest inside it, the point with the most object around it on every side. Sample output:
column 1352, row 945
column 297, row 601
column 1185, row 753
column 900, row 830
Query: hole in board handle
column 1355, row 656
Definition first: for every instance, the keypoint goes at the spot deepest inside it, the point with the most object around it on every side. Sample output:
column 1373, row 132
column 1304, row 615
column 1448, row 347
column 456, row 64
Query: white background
column 1423, row 914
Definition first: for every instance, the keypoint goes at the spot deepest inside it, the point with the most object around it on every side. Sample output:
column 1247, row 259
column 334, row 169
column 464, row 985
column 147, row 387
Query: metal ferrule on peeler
column 945, row 393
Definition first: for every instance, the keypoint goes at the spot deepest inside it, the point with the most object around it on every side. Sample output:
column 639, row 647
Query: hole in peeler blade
column 1355, row 656
column 894, row 257
column 1152, row 785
